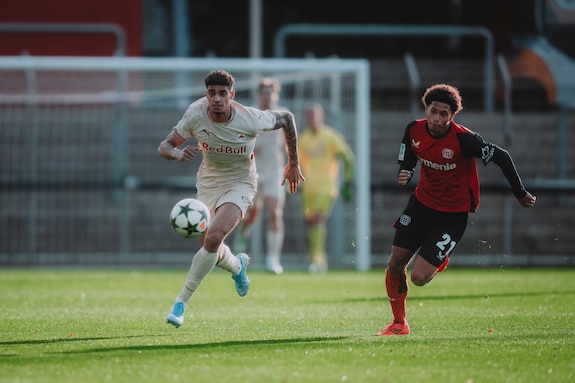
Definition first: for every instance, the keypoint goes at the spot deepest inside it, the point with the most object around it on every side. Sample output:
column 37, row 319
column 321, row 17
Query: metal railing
column 397, row 30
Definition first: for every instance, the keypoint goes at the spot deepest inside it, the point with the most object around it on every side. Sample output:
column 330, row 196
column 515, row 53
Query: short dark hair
column 220, row 77
column 447, row 94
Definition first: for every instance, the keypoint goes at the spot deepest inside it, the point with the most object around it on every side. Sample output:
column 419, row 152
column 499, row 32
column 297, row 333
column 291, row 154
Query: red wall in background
column 125, row 13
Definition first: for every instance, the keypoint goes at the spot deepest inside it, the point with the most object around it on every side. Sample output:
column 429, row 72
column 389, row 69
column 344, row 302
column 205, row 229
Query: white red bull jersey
column 227, row 148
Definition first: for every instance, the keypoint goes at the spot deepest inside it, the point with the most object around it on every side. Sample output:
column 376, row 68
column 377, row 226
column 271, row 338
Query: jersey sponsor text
column 430, row 164
column 224, row 149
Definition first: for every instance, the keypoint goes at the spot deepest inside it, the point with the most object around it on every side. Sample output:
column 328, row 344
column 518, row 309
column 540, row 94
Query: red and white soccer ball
column 190, row 218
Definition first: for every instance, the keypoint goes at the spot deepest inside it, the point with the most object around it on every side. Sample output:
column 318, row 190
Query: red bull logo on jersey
column 224, row 149
column 430, row 164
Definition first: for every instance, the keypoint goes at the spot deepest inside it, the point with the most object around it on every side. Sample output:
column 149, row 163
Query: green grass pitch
column 468, row 326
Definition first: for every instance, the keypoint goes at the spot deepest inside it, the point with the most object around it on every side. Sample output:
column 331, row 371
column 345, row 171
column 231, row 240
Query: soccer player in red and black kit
column 435, row 217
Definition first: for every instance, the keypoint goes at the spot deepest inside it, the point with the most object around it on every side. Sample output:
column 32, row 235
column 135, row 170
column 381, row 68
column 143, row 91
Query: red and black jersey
column 448, row 178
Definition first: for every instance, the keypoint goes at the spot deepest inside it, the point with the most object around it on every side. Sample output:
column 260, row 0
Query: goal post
column 90, row 127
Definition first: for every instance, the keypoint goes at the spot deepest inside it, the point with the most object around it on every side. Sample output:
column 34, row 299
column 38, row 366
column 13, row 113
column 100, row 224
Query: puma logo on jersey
column 415, row 144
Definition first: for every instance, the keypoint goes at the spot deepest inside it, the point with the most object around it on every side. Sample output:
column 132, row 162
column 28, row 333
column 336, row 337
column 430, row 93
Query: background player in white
column 270, row 152
column 226, row 180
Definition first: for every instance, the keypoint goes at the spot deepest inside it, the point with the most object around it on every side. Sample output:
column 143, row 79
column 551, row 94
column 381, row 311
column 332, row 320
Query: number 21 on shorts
column 445, row 246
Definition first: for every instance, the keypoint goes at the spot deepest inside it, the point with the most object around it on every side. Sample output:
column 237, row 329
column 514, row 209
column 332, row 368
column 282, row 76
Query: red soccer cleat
column 443, row 266
column 395, row 329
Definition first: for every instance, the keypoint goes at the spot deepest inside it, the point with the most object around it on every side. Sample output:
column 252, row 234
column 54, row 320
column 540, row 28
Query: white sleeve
column 266, row 121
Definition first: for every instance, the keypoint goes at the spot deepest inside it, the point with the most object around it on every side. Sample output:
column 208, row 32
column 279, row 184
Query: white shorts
column 241, row 195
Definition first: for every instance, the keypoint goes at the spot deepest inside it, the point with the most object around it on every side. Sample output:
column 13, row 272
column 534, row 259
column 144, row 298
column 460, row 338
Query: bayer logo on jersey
column 190, row 218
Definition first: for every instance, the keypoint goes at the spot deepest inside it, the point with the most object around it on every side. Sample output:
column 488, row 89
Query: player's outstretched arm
column 292, row 173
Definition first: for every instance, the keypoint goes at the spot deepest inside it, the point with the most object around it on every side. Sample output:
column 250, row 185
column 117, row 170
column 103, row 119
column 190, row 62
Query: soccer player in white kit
column 270, row 154
column 225, row 132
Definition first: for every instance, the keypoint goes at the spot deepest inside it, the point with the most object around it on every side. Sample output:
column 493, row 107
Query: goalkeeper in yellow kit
column 321, row 148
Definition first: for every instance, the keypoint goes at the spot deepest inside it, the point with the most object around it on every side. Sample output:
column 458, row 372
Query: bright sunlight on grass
column 468, row 326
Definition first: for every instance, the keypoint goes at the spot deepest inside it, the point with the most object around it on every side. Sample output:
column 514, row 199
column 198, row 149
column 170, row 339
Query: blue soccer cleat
column 176, row 316
column 242, row 280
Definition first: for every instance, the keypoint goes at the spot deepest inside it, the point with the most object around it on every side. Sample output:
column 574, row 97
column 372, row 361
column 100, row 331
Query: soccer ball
column 190, row 218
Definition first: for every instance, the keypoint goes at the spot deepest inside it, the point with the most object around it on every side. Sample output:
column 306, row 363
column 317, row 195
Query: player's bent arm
column 168, row 148
column 404, row 176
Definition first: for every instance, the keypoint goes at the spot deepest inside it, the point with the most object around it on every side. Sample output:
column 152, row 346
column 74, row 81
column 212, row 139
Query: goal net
column 81, row 180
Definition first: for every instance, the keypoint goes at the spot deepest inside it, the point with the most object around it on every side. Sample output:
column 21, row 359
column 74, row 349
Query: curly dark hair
column 220, row 77
column 447, row 94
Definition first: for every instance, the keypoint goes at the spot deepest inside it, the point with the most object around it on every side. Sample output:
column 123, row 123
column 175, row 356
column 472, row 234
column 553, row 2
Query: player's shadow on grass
column 66, row 339
column 202, row 346
column 465, row 296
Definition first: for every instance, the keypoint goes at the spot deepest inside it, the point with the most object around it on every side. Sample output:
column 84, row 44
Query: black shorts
column 433, row 232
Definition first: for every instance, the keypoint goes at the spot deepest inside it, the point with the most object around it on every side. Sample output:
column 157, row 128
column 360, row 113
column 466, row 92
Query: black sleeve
column 407, row 159
column 472, row 145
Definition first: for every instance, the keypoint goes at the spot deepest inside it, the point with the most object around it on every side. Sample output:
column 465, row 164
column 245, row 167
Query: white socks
column 202, row 264
column 229, row 261
column 274, row 242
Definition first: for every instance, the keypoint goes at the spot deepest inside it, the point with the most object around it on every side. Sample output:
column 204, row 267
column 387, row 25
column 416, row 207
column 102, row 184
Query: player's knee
column 420, row 279
column 213, row 240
